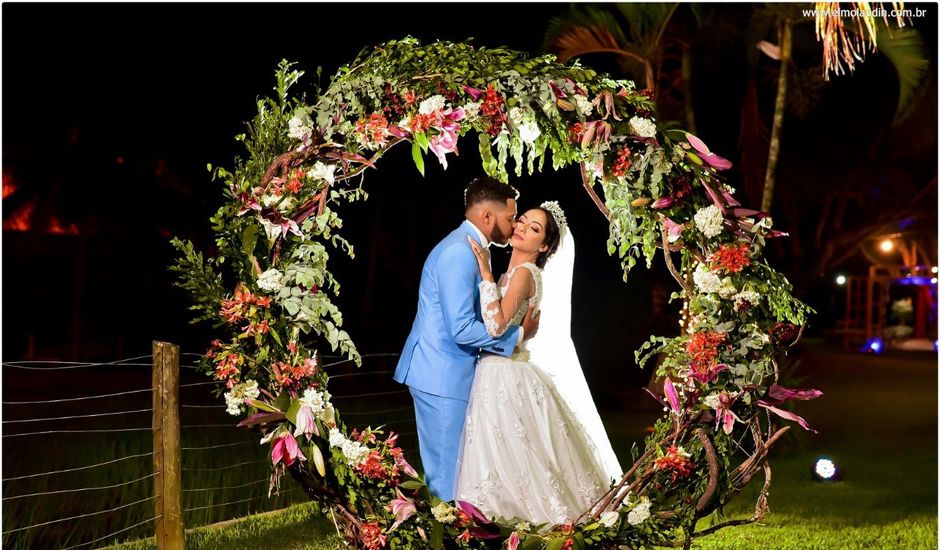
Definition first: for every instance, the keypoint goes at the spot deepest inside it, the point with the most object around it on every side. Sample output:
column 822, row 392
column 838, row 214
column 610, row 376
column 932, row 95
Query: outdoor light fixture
column 825, row 469
column 887, row 245
column 933, row 269
column 840, row 280
column 933, row 281
column 874, row 345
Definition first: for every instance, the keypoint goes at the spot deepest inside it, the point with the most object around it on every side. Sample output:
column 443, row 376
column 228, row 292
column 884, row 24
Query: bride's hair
column 552, row 238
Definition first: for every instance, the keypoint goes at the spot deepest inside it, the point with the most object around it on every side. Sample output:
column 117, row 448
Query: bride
column 533, row 445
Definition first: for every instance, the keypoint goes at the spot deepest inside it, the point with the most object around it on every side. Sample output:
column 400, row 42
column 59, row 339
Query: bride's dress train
column 524, row 452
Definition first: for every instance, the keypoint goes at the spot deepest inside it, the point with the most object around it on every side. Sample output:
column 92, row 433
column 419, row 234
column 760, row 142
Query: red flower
column 264, row 301
column 372, row 536
column 784, row 334
column 373, row 467
column 227, row 368
column 568, row 545
column 491, row 108
column 373, row 130
column 675, row 462
column 623, row 162
column 576, row 132
column 731, row 257
column 703, row 349
column 465, row 536
column 409, row 97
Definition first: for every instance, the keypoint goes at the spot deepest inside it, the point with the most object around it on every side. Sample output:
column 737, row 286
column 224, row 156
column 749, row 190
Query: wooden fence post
column 166, row 446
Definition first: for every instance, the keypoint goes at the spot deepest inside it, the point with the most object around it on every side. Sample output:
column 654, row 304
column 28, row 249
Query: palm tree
column 636, row 34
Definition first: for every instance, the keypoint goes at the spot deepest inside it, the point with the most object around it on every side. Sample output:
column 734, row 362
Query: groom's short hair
column 486, row 188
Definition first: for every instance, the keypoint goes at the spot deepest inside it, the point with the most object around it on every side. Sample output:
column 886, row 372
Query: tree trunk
column 786, row 45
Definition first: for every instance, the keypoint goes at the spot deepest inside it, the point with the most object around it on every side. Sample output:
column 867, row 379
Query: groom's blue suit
column 439, row 357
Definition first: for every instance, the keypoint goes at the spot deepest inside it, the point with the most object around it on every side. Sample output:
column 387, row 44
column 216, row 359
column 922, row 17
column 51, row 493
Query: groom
column 438, row 361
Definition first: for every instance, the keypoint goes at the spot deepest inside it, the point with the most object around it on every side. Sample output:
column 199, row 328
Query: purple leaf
column 262, row 418
column 787, row 415
column 780, row 394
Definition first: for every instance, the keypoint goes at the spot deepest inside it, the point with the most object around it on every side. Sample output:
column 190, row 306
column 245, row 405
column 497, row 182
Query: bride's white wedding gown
column 524, row 454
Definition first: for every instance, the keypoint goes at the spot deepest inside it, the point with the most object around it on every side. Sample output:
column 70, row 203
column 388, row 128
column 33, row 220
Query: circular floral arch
column 659, row 191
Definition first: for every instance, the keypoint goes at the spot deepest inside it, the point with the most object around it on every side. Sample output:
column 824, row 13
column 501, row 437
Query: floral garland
column 661, row 190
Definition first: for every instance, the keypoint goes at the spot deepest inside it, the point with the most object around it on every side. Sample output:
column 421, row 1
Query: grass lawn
column 877, row 420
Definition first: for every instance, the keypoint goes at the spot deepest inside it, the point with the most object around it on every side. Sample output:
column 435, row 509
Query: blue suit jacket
column 440, row 354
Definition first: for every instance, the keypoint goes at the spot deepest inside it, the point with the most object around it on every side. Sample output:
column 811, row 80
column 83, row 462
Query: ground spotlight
column 887, row 245
column 840, row 280
column 874, row 345
column 824, row 469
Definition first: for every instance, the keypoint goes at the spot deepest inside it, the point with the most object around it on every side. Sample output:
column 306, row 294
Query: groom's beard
column 498, row 239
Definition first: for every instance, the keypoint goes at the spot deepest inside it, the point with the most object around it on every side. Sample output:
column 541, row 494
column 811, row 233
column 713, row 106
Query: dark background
column 112, row 112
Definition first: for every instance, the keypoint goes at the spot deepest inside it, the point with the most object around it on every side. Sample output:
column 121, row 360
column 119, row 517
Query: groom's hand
column 530, row 323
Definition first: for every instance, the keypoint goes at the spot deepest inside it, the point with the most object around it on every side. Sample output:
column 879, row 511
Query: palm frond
column 907, row 52
column 596, row 20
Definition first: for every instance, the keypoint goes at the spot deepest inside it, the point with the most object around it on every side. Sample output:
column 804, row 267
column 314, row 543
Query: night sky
column 111, row 113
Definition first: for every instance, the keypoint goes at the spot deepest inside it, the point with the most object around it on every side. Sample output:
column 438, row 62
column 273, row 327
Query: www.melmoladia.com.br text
column 873, row 12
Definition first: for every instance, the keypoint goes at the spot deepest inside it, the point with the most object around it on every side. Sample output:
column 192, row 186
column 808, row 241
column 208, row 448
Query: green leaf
column 282, row 403
column 417, row 157
column 412, row 485
column 249, row 239
column 437, row 535
column 293, row 410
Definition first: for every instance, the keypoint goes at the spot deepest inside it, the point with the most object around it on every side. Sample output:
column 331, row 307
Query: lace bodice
column 494, row 311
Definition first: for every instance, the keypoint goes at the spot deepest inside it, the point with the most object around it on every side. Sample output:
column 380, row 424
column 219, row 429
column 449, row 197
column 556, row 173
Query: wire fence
column 78, row 462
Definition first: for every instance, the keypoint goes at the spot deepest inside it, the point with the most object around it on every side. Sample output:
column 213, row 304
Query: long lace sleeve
column 498, row 311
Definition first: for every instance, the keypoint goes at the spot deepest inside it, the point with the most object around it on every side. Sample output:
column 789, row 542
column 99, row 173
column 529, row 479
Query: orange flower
column 731, row 257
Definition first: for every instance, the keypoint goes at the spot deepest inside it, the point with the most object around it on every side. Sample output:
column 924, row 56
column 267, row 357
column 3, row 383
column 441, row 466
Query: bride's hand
column 483, row 259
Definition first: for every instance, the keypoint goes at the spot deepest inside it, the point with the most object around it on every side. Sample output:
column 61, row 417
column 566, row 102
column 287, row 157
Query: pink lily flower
column 472, row 92
column 513, row 541
column 723, row 415
column 403, row 508
column 672, row 395
column 663, row 202
column 673, row 230
column 285, row 448
column 305, row 424
column 706, row 376
column 710, row 158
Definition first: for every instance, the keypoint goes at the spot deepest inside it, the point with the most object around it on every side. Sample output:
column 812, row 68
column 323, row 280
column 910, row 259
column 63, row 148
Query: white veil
column 553, row 351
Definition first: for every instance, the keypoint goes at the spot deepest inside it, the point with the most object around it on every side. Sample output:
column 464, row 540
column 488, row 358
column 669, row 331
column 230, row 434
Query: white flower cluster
column 471, row 110
column 432, row 104
column 727, row 290
column 748, row 296
column 283, row 203
column 297, row 128
column 270, row 280
column 640, row 512
column 444, row 513
column 355, row 452
column 322, row 171
column 706, row 280
column 525, row 122
column 317, row 400
column 709, row 221
column 235, row 398
column 643, row 127
column 609, row 519
column 583, row 104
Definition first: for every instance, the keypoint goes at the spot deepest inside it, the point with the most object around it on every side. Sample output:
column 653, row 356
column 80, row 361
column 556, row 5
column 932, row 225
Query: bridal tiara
column 557, row 213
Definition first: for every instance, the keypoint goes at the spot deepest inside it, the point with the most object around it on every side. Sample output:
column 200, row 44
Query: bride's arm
column 498, row 311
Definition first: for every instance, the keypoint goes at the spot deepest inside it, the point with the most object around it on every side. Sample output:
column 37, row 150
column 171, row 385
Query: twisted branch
column 593, row 194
